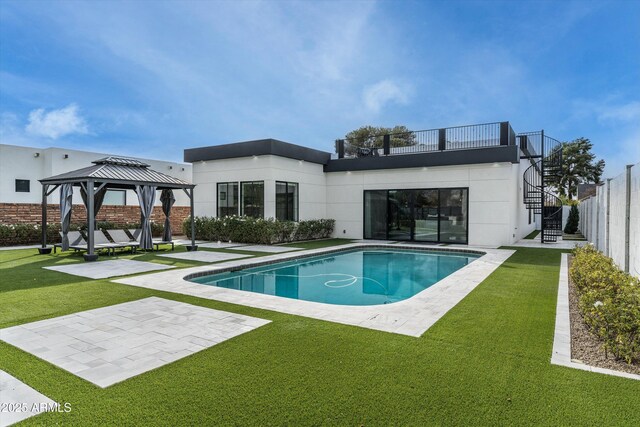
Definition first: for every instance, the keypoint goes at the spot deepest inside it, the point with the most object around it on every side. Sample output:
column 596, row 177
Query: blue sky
column 152, row 78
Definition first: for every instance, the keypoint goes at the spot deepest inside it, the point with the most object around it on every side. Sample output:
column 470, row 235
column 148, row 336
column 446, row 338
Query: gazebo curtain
column 146, row 197
column 98, row 198
column 66, row 202
column 167, row 199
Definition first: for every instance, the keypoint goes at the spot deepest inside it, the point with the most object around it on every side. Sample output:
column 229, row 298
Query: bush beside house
column 258, row 230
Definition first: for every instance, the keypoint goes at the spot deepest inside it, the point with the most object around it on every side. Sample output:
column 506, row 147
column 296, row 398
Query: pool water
column 352, row 277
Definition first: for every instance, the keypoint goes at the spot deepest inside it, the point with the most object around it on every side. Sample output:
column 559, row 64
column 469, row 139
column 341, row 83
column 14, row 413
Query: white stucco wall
column 495, row 210
column 497, row 215
column 18, row 162
column 522, row 227
column 309, row 176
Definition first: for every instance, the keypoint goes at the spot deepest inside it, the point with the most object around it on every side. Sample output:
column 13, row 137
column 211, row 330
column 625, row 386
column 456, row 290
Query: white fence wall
column 634, row 223
column 611, row 219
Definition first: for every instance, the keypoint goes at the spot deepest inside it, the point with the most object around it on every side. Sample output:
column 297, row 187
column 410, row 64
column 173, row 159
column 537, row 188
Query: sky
column 151, row 78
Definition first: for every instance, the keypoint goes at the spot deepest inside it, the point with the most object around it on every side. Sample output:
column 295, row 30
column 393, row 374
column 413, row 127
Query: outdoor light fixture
column 36, row 154
column 66, row 156
column 170, row 167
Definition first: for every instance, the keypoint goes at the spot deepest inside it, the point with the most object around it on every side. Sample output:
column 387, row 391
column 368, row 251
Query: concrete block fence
column 611, row 219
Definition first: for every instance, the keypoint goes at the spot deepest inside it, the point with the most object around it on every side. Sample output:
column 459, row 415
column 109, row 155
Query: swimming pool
column 368, row 276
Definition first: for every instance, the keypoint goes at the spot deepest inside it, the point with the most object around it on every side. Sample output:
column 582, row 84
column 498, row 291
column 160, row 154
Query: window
column 23, row 186
column 252, row 199
column 115, row 197
column 286, row 201
column 227, row 199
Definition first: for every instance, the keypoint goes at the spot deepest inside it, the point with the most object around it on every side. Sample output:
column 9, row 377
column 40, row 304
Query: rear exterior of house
column 462, row 185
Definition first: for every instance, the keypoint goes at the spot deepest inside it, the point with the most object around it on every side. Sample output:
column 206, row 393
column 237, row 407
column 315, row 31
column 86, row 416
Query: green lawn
column 532, row 235
column 484, row 363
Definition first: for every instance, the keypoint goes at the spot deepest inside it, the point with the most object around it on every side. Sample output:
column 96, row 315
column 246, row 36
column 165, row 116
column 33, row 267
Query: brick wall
column 31, row 213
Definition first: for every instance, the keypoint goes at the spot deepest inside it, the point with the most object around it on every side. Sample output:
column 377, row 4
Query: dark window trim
column 418, row 189
column 240, row 204
column 286, row 183
column 218, row 184
column 20, row 182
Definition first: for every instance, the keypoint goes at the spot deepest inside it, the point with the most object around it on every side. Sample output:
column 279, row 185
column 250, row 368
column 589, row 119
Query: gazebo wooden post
column 90, row 256
column 44, row 249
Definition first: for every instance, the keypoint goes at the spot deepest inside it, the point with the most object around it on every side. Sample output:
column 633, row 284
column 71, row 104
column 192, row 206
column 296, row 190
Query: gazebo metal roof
column 119, row 172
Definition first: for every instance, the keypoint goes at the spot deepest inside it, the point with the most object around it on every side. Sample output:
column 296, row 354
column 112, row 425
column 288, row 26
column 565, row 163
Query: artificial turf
column 486, row 362
column 532, row 235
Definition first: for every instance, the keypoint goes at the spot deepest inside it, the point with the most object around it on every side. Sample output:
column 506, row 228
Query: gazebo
column 113, row 173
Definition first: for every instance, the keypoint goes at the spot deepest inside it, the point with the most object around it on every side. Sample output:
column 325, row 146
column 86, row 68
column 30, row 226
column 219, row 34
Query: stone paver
column 185, row 242
column 111, row 268
column 412, row 316
column 266, row 248
column 110, row 344
column 204, row 256
column 19, row 401
column 560, row 244
column 220, row 245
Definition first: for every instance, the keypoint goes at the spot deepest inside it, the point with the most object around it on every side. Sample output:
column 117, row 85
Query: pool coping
column 412, row 316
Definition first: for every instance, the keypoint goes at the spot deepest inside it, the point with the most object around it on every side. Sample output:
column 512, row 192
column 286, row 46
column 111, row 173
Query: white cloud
column 627, row 112
column 377, row 95
column 56, row 123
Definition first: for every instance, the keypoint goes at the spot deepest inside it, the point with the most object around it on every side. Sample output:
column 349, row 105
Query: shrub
column 572, row 221
column 609, row 300
column 29, row 234
column 257, row 230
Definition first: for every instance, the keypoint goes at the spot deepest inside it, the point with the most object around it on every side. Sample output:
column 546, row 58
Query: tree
column 578, row 167
column 373, row 137
column 572, row 221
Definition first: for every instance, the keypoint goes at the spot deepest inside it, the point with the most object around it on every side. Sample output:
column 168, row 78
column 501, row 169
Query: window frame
column 297, row 200
column 218, row 184
column 19, row 182
column 241, row 200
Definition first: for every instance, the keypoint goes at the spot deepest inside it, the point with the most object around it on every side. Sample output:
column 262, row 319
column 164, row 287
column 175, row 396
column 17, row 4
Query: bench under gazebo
column 114, row 173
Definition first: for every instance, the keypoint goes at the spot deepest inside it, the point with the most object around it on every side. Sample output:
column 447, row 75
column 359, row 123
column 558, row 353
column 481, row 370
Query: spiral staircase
column 545, row 155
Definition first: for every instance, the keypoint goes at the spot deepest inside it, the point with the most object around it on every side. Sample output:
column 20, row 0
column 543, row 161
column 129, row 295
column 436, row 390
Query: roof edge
column 259, row 147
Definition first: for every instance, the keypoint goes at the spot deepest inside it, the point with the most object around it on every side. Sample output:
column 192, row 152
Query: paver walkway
column 110, row 344
column 204, row 256
column 220, row 245
column 266, row 248
column 111, row 268
column 19, row 401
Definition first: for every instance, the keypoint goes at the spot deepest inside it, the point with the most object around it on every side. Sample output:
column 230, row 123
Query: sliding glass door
column 453, row 215
column 400, row 219
column 375, row 219
column 425, row 214
column 421, row 215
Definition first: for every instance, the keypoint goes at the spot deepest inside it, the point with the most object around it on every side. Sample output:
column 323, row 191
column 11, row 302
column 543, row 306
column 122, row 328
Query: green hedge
column 29, row 234
column 610, row 302
column 258, row 230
